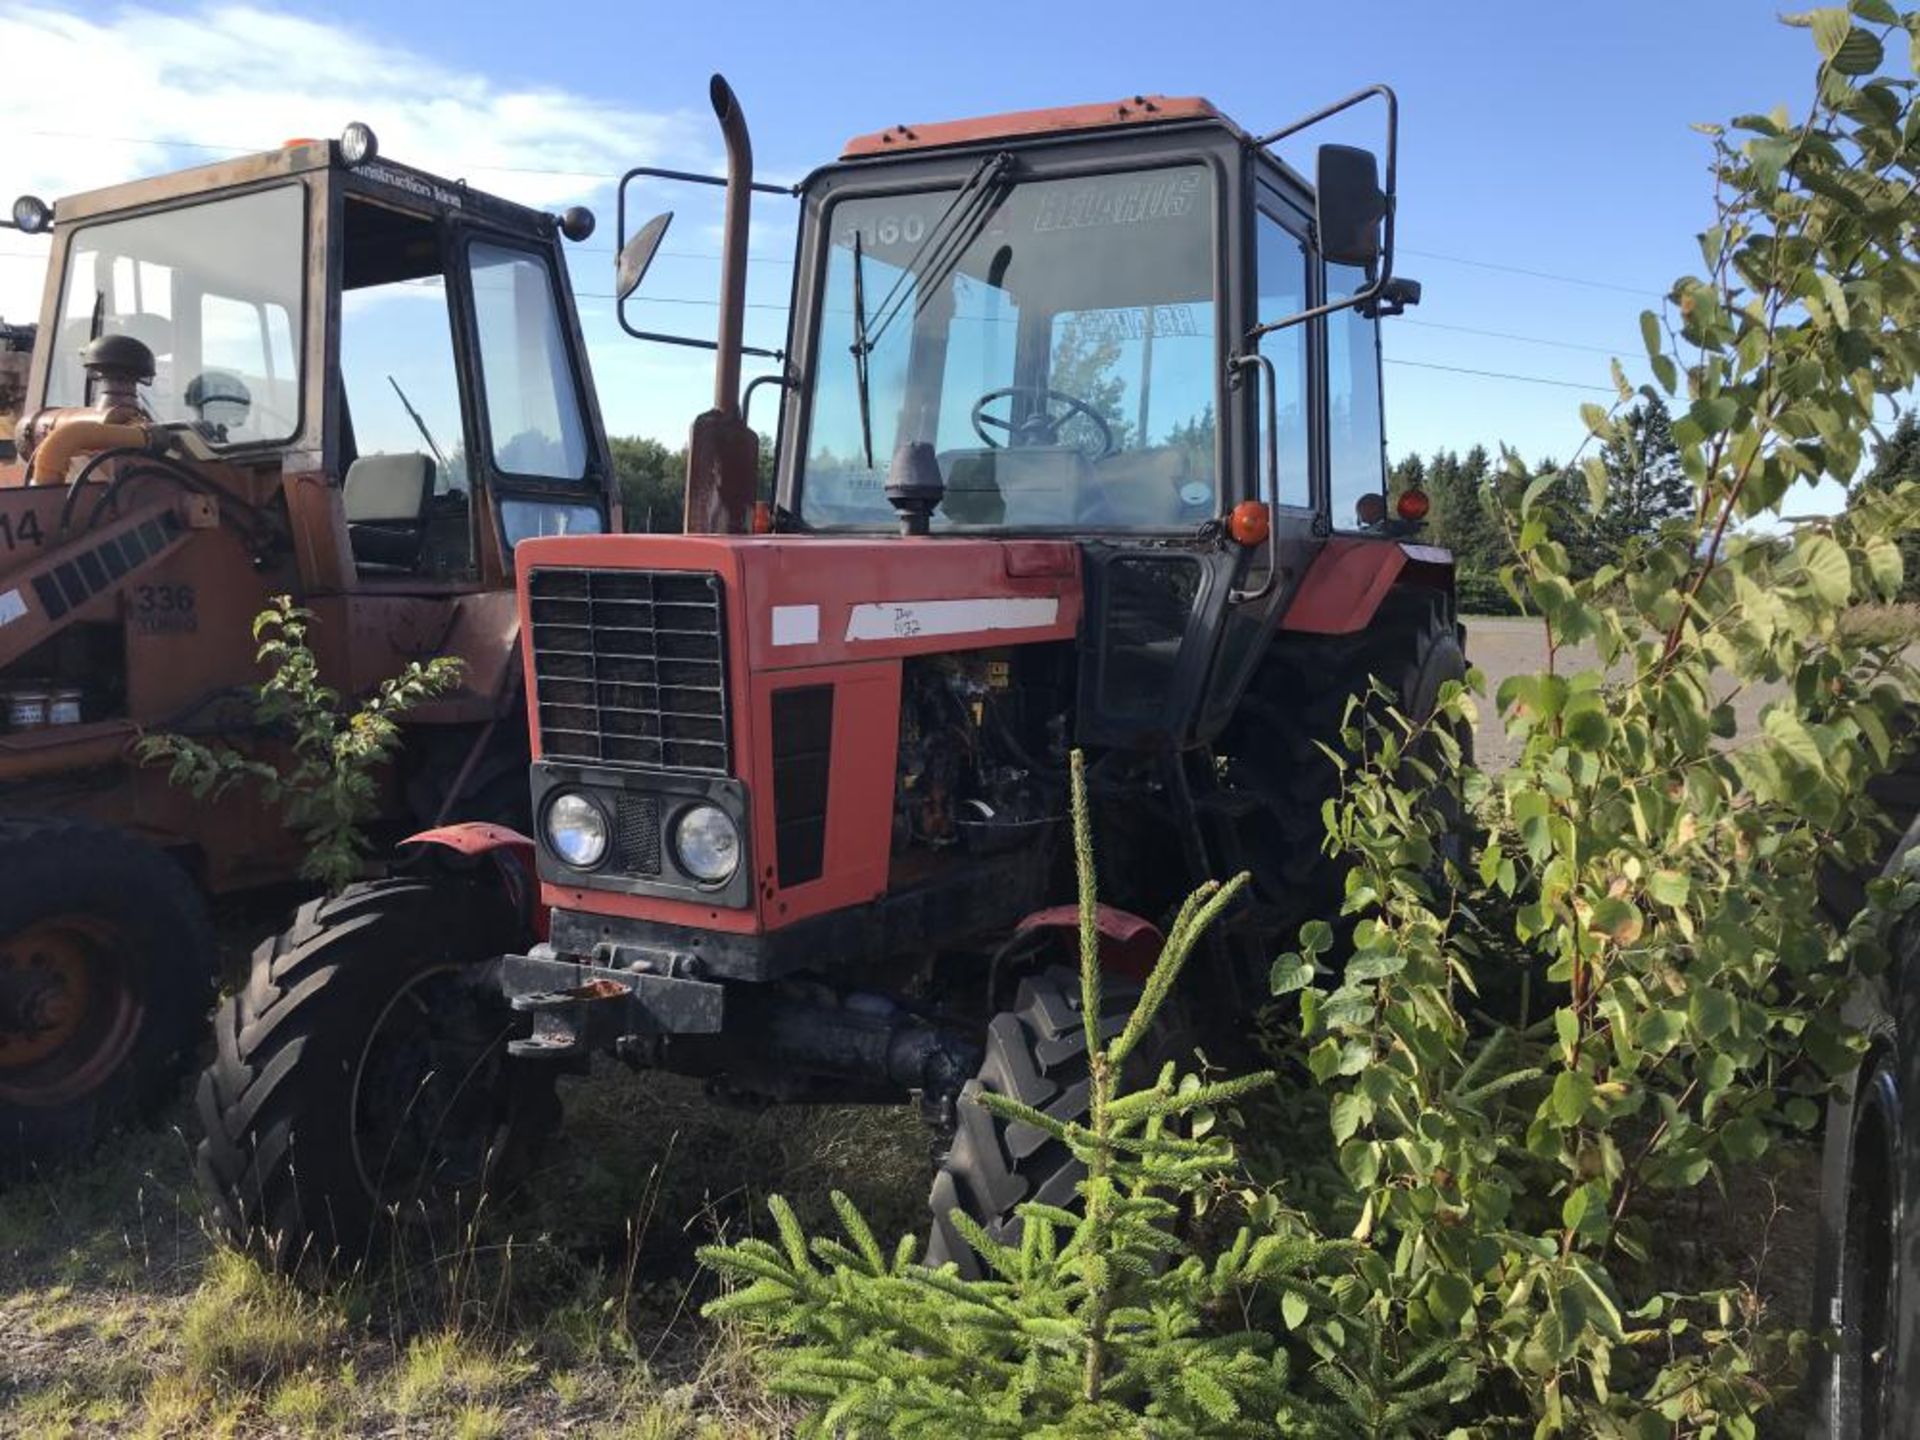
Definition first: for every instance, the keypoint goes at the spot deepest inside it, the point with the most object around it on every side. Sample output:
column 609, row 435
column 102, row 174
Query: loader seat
column 386, row 498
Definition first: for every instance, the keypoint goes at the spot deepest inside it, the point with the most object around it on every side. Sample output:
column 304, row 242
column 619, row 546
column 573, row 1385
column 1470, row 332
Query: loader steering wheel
column 1043, row 426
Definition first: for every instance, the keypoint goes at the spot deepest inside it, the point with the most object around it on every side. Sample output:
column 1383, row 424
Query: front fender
column 513, row 859
column 1129, row 944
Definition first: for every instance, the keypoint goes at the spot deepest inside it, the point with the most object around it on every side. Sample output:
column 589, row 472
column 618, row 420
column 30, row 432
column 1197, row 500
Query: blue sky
column 1548, row 137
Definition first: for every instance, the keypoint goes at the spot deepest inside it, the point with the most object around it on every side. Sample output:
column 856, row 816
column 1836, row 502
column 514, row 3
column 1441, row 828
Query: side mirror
column 630, row 268
column 1350, row 206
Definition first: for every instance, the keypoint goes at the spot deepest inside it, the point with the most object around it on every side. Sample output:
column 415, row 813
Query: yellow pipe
column 77, row 436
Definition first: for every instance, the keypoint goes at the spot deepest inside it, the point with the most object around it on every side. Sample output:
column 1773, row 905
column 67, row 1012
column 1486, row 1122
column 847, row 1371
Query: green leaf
column 1572, row 1093
column 1824, row 563
column 1884, row 566
column 1293, row 1309
column 1349, row 1112
column 1290, row 972
column 1859, row 54
column 1710, row 1011
column 1617, row 919
column 1668, row 887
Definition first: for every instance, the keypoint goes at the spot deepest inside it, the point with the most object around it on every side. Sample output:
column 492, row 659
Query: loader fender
column 513, row 857
column 1129, row 944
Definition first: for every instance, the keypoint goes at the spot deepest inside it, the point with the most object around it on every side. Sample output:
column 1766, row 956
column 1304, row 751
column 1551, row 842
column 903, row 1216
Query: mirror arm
column 1379, row 285
column 1271, row 386
column 783, row 377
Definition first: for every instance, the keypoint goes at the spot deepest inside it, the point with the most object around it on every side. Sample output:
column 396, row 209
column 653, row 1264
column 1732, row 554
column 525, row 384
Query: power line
column 1509, row 335
column 1499, row 375
column 1593, row 284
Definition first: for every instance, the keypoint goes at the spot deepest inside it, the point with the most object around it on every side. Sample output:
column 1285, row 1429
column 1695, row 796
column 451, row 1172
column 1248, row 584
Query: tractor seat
column 386, row 498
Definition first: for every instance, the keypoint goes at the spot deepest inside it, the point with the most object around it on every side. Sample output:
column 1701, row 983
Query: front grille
column 636, row 835
column 630, row 667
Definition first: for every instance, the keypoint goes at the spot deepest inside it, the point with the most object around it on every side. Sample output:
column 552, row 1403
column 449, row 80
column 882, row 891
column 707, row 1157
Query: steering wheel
column 1043, row 426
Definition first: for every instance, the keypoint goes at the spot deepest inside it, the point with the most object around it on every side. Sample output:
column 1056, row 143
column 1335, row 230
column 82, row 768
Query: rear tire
column 1036, row 1054
column 107, row 968
column 362, row 1075
column 1297, row 703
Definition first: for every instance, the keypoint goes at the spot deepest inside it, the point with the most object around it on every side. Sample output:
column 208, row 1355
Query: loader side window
column 1355, row 443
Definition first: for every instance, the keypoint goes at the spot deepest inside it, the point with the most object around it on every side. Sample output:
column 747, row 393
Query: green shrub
column 328, row 791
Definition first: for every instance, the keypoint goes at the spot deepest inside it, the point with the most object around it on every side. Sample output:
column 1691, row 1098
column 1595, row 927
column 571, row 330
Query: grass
column 574, row 1310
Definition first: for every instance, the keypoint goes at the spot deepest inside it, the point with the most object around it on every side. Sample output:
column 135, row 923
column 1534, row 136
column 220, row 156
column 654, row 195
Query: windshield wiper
column 421, row 425
column 946, row 240
column 860, row 349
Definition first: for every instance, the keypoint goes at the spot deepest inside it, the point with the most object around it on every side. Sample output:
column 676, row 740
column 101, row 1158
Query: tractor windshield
column 1052, row 339
column 214, row 290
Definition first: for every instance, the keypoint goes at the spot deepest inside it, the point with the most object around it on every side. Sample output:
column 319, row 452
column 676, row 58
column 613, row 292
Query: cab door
column 1283, row 436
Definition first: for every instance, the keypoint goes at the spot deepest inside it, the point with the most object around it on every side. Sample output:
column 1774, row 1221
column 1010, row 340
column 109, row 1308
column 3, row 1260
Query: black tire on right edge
column 361, row 1083
column 1036, row 1054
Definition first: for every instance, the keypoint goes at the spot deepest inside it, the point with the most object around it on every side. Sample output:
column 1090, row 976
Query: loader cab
column 320, row 312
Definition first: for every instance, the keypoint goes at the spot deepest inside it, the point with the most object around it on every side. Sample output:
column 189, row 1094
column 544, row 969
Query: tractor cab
column 321, row 313
column 1130, row 325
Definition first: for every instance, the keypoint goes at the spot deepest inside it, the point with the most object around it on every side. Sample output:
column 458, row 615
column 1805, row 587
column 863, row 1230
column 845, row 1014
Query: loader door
column 405, row 482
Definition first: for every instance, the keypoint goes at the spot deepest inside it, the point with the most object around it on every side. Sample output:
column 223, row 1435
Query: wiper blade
column 946, row 240
column 861, row 345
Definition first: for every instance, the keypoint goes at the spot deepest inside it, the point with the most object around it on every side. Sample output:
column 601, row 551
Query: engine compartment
column 983, row 752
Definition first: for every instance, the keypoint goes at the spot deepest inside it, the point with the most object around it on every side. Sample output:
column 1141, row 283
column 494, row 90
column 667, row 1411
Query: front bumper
column 579, row 1007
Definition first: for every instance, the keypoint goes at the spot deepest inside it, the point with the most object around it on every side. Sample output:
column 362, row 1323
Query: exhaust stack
column 723, row 453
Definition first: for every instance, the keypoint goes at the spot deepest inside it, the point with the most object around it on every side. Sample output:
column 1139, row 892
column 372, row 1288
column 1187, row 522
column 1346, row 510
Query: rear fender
column 1349, row 579
column 513, row 859
column 1129, row 944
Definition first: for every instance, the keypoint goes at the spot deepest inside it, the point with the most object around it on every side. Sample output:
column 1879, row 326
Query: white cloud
column 238, row 78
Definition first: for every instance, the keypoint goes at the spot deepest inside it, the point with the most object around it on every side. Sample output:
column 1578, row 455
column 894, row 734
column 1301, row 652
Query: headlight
column 577, row 830
column 706, row 844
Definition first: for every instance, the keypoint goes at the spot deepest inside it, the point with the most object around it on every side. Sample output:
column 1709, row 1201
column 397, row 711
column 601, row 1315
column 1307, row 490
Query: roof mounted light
column 576, row 223
column 32, row 215
column 358, row 143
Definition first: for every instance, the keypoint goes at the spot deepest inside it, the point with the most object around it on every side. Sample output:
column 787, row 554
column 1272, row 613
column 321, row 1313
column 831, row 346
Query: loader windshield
column 1052, row 339
column 214, row 291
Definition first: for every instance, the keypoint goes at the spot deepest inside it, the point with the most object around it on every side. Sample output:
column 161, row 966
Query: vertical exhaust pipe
column 723, row 454
column 733, row 246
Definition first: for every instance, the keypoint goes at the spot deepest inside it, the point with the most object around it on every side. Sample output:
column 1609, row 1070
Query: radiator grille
column 630, row 667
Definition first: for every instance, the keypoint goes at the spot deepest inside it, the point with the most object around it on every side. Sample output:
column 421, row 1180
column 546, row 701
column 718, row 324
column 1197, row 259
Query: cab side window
column 1355, row 441
column 1281, row 259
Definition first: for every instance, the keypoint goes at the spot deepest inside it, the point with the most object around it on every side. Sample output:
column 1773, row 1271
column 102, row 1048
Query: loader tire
column 1036, row 1053
column 107, row 966
column 361, row 1088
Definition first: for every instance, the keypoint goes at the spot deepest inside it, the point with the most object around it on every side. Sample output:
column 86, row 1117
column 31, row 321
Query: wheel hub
column 68, row 1016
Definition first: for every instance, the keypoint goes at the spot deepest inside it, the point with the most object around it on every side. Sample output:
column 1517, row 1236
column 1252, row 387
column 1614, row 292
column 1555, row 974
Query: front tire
column 106, row 973
column 362, row 1074
column 1036, row 1054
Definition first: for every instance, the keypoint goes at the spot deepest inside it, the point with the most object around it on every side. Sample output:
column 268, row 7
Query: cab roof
column 1132, row 112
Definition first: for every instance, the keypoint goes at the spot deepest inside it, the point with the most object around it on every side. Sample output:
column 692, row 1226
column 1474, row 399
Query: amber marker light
column 1250, row 522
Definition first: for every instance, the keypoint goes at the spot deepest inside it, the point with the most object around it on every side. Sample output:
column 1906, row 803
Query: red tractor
column 1080, row 447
